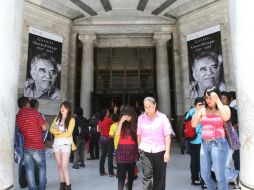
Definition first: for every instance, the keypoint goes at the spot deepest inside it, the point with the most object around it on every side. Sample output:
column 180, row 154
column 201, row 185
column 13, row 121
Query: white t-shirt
column 62, row 140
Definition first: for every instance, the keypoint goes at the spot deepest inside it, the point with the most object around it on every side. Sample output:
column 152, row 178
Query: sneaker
column 195, row 183
column 203, row 186
column 237, row 187
column 103, row 174
column 82, row 165
column 236, row 183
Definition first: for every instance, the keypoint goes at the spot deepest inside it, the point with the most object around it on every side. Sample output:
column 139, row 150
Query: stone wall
column 45, row 20
column 211, row 15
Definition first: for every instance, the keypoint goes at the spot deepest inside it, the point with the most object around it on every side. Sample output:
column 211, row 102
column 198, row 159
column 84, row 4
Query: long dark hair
column 129, row 127
column 67, row 105
column 208, row 91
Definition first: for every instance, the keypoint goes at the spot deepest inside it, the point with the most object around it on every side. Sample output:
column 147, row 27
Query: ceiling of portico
column 95, row 11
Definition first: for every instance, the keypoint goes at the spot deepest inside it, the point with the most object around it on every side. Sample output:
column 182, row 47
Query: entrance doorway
column 123, row 76
column 100, row 101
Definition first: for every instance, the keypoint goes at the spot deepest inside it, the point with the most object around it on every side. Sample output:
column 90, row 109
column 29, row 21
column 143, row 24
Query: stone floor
column 88, row 178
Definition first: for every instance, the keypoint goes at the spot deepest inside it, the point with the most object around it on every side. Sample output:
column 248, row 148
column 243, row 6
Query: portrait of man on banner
column 43, row 80
column 205, row 64
column 43, row 68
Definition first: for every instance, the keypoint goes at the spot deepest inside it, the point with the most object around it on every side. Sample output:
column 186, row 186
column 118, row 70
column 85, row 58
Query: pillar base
column 245, row 186
column 8, row 188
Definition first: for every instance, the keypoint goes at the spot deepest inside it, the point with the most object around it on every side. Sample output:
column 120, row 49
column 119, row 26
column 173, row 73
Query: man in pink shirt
column 154, row 143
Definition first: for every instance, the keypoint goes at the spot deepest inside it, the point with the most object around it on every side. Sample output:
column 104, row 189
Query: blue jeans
column 35, row 158
column 213, row 154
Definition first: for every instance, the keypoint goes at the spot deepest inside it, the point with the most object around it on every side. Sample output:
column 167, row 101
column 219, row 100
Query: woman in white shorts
column 62, row 128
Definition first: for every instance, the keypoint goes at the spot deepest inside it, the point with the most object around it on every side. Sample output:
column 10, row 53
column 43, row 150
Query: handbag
column 232, row 136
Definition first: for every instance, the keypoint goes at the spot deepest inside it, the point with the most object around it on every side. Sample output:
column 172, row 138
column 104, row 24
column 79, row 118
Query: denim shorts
column 62, row 148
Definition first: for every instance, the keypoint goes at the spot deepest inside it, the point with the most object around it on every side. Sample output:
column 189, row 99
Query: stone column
column 87, row 71
column 11, row 19
column 72, row 69
column 162, row 72
column 242, row 29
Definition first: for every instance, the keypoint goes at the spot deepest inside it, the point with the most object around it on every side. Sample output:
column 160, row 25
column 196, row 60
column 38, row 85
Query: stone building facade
column 111, row 30
column 127, row 28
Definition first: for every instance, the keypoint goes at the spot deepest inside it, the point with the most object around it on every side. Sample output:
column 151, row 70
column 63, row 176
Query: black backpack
column 82, row 127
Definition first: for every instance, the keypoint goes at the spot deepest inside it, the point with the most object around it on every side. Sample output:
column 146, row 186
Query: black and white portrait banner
column 205, row 61
column 43, row 65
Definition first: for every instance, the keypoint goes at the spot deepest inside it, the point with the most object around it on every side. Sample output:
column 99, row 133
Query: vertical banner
column 205, row 61
column 43, row 65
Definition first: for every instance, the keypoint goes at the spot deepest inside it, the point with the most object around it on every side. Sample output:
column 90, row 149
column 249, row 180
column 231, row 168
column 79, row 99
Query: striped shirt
column 30, row 124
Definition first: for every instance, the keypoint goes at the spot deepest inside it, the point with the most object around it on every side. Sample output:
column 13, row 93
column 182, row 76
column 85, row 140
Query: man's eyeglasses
column 200, row 104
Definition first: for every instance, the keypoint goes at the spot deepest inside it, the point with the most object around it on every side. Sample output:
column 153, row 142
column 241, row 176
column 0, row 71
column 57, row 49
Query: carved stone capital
column 161, row 37
column 87, row 37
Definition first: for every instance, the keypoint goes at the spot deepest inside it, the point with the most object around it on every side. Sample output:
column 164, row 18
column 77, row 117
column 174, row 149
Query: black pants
column 22, row 176
column 122, row 169
column 107, row 149
column 195, row 161
column 79, row 154
column 94, row 145
column 236, row 158
column 154, row 170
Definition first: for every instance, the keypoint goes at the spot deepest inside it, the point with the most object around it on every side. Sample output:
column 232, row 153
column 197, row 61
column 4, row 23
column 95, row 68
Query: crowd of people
column 130, row 135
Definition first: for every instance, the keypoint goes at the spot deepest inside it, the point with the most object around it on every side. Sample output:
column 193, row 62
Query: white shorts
column 62, row 148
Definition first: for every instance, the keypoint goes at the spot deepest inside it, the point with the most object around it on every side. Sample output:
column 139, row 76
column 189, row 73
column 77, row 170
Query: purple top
column 153, row 132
